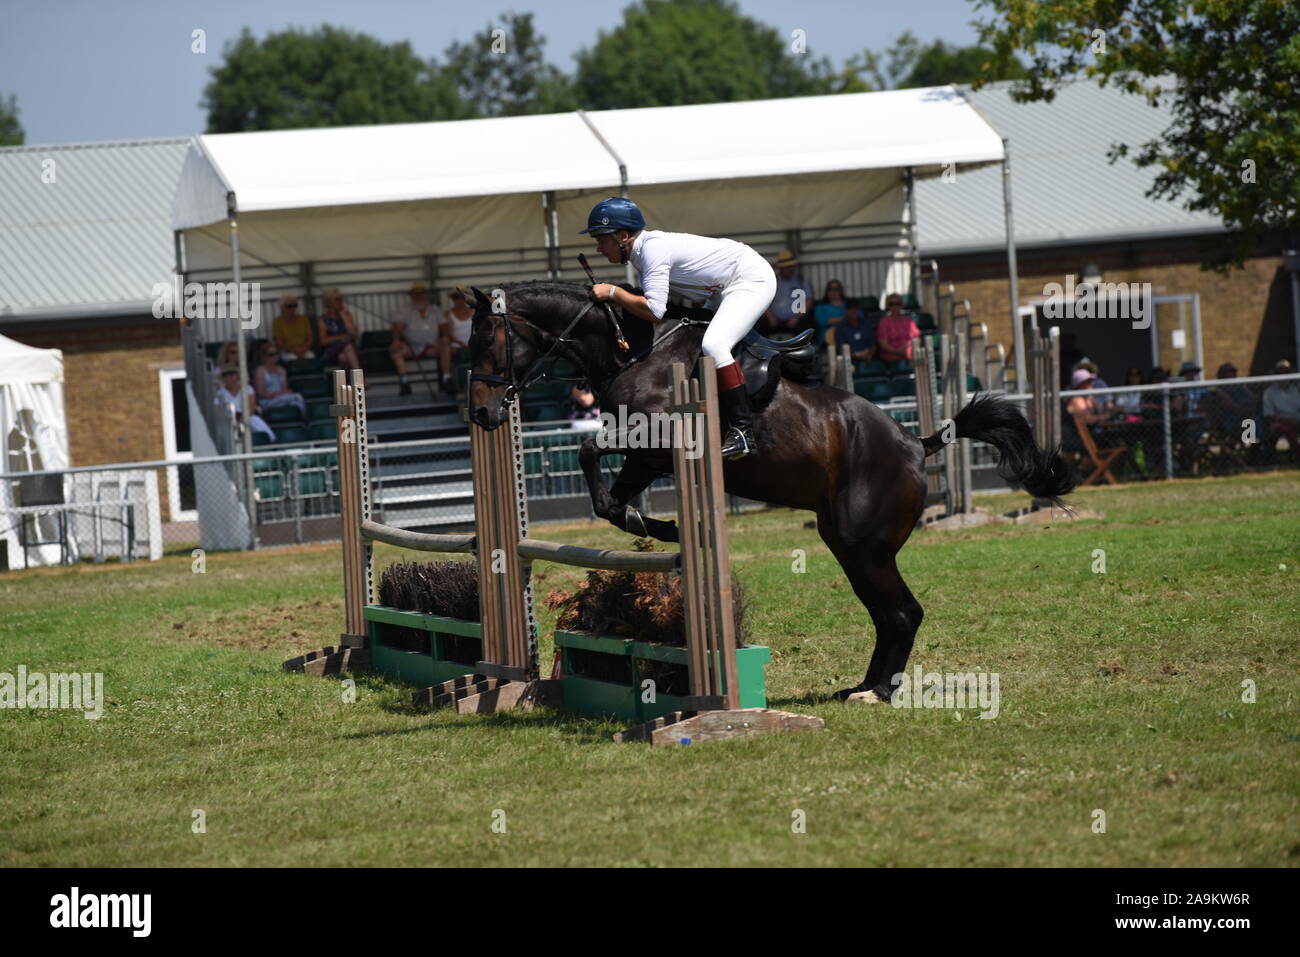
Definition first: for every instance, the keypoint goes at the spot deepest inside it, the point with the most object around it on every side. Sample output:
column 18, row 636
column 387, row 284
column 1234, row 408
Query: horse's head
column 502, row 349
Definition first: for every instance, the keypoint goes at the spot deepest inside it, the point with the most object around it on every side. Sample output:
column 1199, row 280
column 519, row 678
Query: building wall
column 1245, row 315
column 110, row 385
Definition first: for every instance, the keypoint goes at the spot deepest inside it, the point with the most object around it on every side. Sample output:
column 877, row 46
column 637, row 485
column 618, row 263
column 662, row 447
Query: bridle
column 539, row 366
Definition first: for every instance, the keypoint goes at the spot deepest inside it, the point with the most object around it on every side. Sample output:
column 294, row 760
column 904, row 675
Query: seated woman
column 337, row 333
column 1128, row 405
column 271, row 383
column 830, row 311
column 895, row 331
column 228, row 394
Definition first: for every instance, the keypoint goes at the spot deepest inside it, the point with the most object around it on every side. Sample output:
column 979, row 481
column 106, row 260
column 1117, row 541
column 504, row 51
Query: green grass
column 1120, row 692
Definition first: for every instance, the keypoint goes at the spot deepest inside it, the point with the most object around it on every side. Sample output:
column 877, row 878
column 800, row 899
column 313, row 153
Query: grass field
column 1120, row 692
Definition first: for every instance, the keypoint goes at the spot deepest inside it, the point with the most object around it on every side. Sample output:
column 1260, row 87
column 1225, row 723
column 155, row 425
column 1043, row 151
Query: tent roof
column 318, row 168
column 23, row 363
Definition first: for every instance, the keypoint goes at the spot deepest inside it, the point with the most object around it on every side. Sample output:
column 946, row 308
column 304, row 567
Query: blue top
column 857, row 338
column 824, row 313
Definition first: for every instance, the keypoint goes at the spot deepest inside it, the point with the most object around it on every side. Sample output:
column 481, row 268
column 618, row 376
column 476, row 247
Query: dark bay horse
column 822, row 449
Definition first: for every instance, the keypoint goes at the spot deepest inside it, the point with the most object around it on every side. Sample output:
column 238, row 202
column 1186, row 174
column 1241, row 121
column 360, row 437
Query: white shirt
column 421, row 331
column 1282, row 399
column 695, row 268
column 461, row 329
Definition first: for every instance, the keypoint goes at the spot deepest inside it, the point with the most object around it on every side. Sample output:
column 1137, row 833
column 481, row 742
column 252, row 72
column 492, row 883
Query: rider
column 696, row 268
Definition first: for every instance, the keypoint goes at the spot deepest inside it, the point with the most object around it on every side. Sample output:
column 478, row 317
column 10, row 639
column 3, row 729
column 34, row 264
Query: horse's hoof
column 864, row 697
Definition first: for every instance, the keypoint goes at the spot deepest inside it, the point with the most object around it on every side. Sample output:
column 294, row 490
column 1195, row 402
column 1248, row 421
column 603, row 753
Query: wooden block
column 684, row 728
column 330, row 661
column 477, row 695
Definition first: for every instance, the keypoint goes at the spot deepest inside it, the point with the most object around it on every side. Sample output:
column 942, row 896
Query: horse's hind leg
column 613, row 504
column 874, row 575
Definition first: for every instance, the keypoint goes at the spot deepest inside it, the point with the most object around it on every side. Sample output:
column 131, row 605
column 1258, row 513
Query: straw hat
column 786, row 258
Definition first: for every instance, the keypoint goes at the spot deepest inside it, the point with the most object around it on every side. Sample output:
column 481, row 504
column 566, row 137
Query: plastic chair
column 291, row 433
column 901, row 386
column 323, row 430
column 282, row 414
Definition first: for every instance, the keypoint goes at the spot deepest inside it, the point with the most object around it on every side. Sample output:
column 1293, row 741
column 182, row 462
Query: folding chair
column 1101, row 458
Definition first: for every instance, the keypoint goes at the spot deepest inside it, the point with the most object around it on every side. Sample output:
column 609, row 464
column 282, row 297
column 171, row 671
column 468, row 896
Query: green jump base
column 623, row 663
column 600, row 675
column 419, row 667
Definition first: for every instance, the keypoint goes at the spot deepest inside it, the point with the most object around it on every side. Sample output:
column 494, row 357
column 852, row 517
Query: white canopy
column 28, row 364
column 433, row 188
column 33, row 432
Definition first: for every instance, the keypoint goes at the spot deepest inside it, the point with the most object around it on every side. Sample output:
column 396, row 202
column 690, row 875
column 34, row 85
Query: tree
column 11, row 131
column 672, row 52
column 502, row 72
column 1229, row 70
column 329, row 77
column 908, row 64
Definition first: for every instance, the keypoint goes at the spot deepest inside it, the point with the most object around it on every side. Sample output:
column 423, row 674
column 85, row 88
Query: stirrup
column 737, row 443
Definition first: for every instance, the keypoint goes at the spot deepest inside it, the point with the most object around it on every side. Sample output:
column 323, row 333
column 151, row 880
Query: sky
column 95, row 70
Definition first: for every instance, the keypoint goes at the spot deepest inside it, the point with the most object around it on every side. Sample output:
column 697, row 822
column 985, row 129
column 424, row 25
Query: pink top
column 896, row 334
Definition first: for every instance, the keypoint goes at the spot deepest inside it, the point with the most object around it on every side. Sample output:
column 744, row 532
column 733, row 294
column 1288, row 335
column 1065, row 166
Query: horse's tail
column 1043, row 473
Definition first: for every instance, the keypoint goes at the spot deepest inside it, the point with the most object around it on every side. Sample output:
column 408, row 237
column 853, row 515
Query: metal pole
column 552, row 232
column 249, row 501
column 910, row 180
column 1013, row 278
column 1169, row 432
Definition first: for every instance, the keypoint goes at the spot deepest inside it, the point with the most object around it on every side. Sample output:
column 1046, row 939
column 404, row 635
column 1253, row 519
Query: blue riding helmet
column 613, row 214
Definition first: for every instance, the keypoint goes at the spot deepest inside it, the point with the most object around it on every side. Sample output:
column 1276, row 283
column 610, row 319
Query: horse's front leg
column 613, row 504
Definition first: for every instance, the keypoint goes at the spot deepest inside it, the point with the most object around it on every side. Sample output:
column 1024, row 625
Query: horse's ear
column 480, row 297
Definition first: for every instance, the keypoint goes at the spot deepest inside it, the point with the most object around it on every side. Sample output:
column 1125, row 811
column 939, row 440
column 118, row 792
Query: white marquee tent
column 33, row 431
column 436, row 188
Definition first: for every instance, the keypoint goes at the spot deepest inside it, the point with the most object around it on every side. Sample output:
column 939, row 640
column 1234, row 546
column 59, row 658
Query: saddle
column 764, row 361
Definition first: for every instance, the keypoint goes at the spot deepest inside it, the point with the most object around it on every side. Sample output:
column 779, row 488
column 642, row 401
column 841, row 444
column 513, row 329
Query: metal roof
column 1063, row 188
column 95, row 239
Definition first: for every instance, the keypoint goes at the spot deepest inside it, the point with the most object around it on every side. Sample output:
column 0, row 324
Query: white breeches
column 744, row 300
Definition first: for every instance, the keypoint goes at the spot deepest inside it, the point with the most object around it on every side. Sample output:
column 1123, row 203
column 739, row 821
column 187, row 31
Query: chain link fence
column 285, row 495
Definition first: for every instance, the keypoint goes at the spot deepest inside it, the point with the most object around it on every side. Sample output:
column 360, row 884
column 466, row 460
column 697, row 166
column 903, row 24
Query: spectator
column 791, row 309
column 1227, row 407
column 895, row 331
column 856, row 332
column 1153, row 406
column 1282, row 407
column 227, row 355
column 1097, row 381
column 337, row 332
column 228, row 393
column 453, row 345
column 291, row 330
column 830, row 311
column 1084, row 406
column 584, row 413
column 1105, row 402
column 416, row 335
column 1187, row 401
column 271, row 383
column 1128, row 405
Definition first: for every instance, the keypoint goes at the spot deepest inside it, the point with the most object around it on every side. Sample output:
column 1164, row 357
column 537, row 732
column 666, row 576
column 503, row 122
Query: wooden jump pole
column 702, row 527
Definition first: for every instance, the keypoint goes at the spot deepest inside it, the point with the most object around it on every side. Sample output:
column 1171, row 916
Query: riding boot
column 738, row 437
